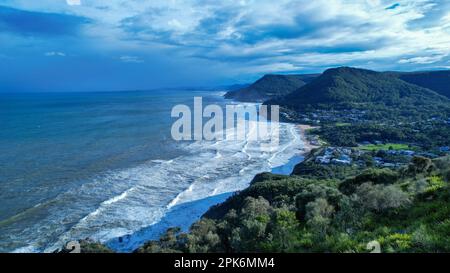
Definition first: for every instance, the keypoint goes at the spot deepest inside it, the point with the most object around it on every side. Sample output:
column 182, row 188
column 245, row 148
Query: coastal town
column 368, row 153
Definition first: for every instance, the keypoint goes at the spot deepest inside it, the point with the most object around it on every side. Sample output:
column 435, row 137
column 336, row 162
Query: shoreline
column 185, row 214
column 308, row 145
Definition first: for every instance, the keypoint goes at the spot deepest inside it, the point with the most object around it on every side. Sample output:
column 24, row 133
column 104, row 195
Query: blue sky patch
column 130, row 44
column 24, row 22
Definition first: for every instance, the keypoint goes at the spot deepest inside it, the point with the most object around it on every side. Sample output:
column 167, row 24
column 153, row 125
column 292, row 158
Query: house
column 323, row 160
column 378, row 160
column 329, row 151
column 407, row 152
column 444, row 149
column 340, row 161
column 347, row 151
column 345, row 157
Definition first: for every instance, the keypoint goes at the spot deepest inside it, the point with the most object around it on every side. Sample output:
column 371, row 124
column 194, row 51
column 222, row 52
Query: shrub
column 446, row 175
column 90, row 246
column 350, row 214
column 342, row 243
column 380, row 198
column 284, row 229
column 420, row 165
column 318, row 215
column 203, row 237
column 396, row 242
column 251, row 225
column 418, row 186
column 375, row 176
column 168, row 243
column 442, row 163
column 422, row 239
column 435, row 183
column 268, row 189
column 311, row 193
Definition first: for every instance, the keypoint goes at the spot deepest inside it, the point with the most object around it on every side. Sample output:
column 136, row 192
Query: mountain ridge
column 354, row 88
column 438, row 81
column 270, row 86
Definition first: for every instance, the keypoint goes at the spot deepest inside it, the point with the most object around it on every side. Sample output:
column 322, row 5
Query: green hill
column 405, row 211
column 438, row 81
column 364, row 90
column 270, row 86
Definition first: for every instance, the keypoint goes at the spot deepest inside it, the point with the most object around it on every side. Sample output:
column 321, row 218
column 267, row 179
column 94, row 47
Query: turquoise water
column 103, row 165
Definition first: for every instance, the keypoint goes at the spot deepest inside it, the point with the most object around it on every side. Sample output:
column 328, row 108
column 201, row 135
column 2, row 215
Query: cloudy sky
column 80, row 45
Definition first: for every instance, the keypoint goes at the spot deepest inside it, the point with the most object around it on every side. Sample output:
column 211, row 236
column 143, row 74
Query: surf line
column 236, row 119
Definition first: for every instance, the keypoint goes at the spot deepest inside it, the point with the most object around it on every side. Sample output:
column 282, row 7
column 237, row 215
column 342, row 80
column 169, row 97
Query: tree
column 311, row 193
column 375, row 176
column 318, row 215
column 251, row 227
column 203, row 237
column 381, row 198
column 284, row 228
column 349, row 216
column 420, row 165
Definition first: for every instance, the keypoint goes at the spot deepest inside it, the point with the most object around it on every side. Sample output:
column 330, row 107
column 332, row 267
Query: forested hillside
column 270, row 86
column 438, row 81
column 352, row 88
column 405, row 211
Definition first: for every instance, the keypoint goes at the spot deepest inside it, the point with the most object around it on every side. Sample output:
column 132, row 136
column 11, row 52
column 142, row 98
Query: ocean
column 103, row 165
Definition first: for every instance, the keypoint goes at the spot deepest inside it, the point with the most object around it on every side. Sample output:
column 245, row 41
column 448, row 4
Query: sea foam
column 138, row 204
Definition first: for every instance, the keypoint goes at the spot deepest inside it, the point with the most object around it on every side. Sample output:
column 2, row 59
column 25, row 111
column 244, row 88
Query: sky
column 102, row 45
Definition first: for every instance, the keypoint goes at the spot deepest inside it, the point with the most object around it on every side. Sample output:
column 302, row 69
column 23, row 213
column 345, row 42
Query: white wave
column 107, row 203
column 218, row 155
column 123, row 202
column 26, row 249
column 220, row 93
column 162, row 161
column 177, row 199
column 279, row 157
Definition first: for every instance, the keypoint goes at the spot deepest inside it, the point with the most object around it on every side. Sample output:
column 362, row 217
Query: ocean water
column 104, row 166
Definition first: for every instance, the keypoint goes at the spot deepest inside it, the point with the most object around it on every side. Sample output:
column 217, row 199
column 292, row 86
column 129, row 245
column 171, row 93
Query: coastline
column 307, row 142
column 308, row 146
column 185, row 214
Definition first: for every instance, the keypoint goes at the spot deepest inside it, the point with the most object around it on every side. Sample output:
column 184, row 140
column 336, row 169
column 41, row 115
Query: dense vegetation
column 427, row 136
column 438, row 81
column 358, row 84
column 310, row 169
column 87, row 246
column 343, row 207
column 377, row 94
column 270, row 86
column 356, row 105
column 406, row 210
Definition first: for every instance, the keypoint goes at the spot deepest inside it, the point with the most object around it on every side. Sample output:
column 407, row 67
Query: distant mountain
column 438, row 81
column 236, row 87
column 347, row 87
column 270, row 86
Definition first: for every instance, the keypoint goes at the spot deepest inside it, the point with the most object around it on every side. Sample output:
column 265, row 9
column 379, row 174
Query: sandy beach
column 308, row 143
